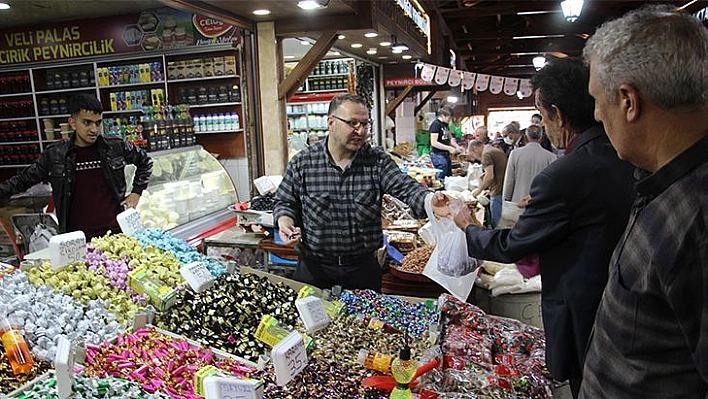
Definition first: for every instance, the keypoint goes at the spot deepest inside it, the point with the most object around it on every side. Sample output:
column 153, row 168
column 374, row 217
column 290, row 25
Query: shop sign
column 417, row 15
column 159, row 29
column 702, row 14
column 402, row 82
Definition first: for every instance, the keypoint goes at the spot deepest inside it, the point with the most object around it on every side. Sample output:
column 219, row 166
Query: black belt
column 340, row 260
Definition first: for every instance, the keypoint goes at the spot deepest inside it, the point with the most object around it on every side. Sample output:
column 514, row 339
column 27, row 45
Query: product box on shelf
column 161, row 295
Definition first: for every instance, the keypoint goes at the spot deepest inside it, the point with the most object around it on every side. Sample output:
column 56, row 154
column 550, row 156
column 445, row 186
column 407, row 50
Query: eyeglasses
column 355, row 124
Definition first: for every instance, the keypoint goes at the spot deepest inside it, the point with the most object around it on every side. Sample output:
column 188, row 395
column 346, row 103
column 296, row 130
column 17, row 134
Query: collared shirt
column 651, row 331
column 340, row 210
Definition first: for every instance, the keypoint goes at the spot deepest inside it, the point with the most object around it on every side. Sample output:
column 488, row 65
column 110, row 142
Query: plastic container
column 374, row 360
column 16, row 348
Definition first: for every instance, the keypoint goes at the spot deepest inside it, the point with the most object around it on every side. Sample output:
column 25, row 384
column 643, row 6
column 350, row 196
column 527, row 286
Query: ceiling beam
column 499, row 8
column 391, row 107
column 302, row 70
column 208, row 10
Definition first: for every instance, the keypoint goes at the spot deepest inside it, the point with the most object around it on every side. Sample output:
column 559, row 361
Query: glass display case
column 189, row 192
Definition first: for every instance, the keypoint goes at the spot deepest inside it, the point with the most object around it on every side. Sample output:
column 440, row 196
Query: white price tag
column 228, row 387
column 64, row 365
column 67, row 248
column 197, row 276
column 289, row 358
column 129, row 222
column 312, row 313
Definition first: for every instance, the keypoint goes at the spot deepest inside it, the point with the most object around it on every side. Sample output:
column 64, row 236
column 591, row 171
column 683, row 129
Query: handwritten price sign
column 67, row 248
column 289, row 358
column 129, row 222
column 312, row 313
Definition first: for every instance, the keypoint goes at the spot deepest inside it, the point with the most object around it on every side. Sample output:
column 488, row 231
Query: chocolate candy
column 10, row 382
column 226, row 316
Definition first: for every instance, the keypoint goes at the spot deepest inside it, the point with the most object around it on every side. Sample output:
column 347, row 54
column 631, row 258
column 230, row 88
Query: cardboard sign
column 289, row 358
column 64, row 365
column 67, row 248
column 312, row 312
column 197, row 276
column 223, row 387
column 129, row 222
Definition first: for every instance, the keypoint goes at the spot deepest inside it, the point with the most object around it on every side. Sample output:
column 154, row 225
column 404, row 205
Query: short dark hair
column 86, row 102
column 563, row 82
column 534, row 132
column 446, row 111
column 539, row 116
column 337, row 101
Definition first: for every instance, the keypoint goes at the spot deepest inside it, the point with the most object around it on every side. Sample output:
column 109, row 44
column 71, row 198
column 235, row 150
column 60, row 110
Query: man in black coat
column 578, row 209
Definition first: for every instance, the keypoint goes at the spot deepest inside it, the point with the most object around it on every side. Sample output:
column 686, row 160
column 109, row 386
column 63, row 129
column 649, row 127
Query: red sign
column 210, row 27
column 406, row 82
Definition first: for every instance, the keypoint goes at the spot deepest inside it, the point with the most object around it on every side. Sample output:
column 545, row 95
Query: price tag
column 289, row 358
column 64, row 365
column 312, row 312
column 197, row 276
column 67, row 248
column 227, row 387
column 129, row 222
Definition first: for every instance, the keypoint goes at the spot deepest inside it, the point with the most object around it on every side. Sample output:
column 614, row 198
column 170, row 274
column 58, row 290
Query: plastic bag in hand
column 452, row 250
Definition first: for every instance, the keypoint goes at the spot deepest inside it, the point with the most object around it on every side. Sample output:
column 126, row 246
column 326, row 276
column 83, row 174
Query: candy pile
column 90, row 388
column 160, row 264
column 407, row 317
column 489, row 356
column 84, row 285
column 157, row 362
column 114, row 271
column 44, row 315
column 183, row 251
column 9, row 382
column 226, row 317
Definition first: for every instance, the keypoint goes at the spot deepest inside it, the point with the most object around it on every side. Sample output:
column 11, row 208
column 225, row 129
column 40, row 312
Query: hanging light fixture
column 539, row 62
column 572, row 9
column 397, row 46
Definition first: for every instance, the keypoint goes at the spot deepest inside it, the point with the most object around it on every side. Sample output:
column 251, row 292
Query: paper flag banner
column 511, row 85
column 428, row 72
column 482, row 82
column 526, row 88
column 468, row 80
column 455, row 78
column 441, row 75
column 496, row 84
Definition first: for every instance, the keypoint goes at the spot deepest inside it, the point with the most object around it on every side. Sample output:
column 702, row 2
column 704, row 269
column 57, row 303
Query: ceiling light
column 572, row 9
column 536, row 12
column 261, row 11
column 289, row 57
column 371, row 51
column 304, row 42
column 399, row 46
column 537, row 37
column 4, row 6
column 407, row 56
column 340, row 37
column 383, row 57
column 309, row 4
column 371, row 34
column 452, row 99
column 334, row 53
column 394, row 51
column 357, row 45
column 385, row 43
column 539, row 62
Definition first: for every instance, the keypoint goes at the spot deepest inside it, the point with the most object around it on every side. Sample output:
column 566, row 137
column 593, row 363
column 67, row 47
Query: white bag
column 450, row 256
column 510, row 214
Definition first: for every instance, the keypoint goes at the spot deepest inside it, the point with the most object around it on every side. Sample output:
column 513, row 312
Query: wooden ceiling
column 489, row 34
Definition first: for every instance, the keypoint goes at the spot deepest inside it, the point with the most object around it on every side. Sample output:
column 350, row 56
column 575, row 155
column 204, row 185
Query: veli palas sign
column 159, row 29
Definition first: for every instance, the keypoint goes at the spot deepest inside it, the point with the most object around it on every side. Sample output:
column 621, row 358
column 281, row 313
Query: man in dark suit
column 578, row 209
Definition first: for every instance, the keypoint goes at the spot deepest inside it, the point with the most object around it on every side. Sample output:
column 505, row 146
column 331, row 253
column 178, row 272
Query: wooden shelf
column 203, row 78
column 15, row 94
column 220, row 131
column 73, row 89
column 214, row 105
column 23, row 118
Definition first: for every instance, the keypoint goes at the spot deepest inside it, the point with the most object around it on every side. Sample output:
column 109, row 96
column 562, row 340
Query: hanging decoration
column 441, row 75
column 477, row 81
column 511, row 86
column 455, row 78
column 496, row 84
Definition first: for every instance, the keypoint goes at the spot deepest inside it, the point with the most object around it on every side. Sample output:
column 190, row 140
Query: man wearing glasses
column 329, row 202
column 87, row 173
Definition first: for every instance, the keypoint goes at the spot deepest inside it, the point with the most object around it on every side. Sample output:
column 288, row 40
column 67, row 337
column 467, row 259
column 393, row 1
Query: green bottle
column 403, row 369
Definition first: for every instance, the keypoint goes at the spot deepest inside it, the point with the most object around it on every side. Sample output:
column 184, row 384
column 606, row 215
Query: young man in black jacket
column 86, row 172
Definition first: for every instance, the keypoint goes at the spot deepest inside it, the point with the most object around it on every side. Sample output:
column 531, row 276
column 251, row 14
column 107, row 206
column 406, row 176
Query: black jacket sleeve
column 143, row 163
column 28, row 177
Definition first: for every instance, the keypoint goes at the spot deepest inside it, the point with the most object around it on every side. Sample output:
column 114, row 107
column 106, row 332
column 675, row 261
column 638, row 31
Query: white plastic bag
column 449, row 265
column 510, row 214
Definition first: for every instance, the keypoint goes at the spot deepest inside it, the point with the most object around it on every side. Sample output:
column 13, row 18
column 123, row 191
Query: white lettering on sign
column 702, row 14
column 229, row 387
column 210, row 22
column 419, row 18
column 289, row 358
column 67, row 248
column 129, row 222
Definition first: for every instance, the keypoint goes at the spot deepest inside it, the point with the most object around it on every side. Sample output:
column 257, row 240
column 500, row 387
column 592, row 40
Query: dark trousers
column 361, row 273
